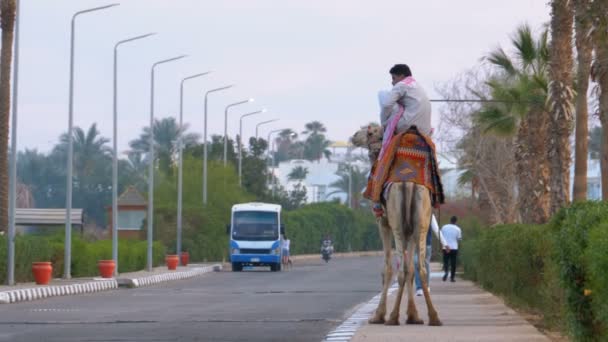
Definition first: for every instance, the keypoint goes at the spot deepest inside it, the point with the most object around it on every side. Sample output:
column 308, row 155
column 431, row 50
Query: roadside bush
column 557, row 270
column 572, row 227
column 31, row 248
column 597, row 258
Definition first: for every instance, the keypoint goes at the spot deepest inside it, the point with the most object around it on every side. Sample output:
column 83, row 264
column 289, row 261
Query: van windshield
column 255, row 226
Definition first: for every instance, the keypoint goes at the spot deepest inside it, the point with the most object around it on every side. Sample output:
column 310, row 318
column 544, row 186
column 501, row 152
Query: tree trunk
column 7, row 22
column 533, row 169
column 584, row 50
column 561, row 97
column 600, row 75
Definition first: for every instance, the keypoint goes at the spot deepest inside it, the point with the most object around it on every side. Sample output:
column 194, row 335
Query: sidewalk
column 468, row 313
column 61, row 287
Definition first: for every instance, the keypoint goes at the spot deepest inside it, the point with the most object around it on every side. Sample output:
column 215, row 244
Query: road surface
column 302, row 304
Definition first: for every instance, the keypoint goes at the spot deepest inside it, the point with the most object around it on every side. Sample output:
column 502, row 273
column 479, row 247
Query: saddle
column 408, row 157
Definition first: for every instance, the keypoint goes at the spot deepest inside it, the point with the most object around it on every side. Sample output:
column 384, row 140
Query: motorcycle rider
column 327, row 244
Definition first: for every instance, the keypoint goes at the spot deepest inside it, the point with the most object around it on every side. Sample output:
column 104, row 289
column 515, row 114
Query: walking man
column 452, row 235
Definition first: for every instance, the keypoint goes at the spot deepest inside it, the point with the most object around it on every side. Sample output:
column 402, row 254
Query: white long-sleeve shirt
column 435, row 228
column 417, row 107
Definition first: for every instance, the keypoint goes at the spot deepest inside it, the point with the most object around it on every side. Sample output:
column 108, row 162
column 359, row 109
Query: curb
column 159, row 278
column 29, row 294
column 345, row 331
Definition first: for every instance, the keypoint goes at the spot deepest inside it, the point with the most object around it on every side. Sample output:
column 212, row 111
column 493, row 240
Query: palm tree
column 561, row 102
column 314, row 128
column 584, row 49
column 358, row 181
column 92, row 169
column 298, row 173
column 522, row 85
column 284, row 142
column 599, row 73
column 166, row 135
column 90, row 150
column 316, row 147
column 8, row 11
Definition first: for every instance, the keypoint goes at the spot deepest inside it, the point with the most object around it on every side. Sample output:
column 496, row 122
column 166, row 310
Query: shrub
column 572, row 227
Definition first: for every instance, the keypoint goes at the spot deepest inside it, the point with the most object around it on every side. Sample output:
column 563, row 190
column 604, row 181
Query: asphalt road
column 302, row 304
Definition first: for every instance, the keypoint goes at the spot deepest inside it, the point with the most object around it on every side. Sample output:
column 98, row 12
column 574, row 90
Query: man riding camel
column 408, row 100
column 408, row 94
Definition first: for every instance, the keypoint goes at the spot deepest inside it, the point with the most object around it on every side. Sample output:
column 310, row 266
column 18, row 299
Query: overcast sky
column 303, row 60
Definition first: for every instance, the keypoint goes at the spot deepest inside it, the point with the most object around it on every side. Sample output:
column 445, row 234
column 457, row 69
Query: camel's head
column 367, row 136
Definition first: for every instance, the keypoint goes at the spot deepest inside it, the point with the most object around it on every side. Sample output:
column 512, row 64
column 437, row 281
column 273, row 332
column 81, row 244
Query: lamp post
column 257, row 127
column 271, row 157
column 226, row 126
column 205, row 153
column 151, row 160
column 115, row 151
column 241, row 143
column 180, row 162
column 12, row 199
column 68, row 198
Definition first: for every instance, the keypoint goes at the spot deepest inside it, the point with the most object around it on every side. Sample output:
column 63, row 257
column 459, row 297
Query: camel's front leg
column 395, row 220
column 387, row 273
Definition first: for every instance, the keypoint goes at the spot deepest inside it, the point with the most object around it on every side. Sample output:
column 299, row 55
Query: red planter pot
column 172, row 261
column 106, row 268
column 43, row 271
column 184, row 258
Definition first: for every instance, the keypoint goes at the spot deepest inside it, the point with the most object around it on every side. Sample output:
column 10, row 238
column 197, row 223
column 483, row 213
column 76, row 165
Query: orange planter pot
column 106, row 268
column 42, row 271
column 184, row 258
column 172, row 261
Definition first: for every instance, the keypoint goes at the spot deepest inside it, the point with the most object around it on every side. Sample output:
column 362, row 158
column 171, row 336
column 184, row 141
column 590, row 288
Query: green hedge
column 557, row 270
column 31, row 248
column 572, row 228
column 350, row 230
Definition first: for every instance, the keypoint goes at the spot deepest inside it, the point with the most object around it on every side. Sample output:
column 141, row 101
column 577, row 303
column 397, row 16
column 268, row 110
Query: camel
column 407, row 214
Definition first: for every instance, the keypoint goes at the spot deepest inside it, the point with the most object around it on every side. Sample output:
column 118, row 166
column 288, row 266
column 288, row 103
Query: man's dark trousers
column 449, row 258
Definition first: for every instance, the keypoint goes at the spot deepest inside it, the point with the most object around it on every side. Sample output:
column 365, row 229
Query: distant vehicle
column 255, row 235
column 327, row 249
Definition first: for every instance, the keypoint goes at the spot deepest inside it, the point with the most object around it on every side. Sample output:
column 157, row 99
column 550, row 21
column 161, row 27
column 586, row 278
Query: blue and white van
column 255, row 235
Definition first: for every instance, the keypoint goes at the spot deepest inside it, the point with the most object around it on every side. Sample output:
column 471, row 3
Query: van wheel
column 275, row 267
column 237, row 267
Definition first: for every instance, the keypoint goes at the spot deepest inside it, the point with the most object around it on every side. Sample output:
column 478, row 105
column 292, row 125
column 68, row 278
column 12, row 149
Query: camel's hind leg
column 422, row 219
column 411, row 233
column 387, row 273
column 395, row 216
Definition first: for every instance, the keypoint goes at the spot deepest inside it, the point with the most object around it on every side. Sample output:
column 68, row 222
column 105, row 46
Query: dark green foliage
column 572, row 227
column 557, row 269
column 31, row 248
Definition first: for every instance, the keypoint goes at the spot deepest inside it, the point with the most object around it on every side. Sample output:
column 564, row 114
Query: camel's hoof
column 392, row 321
column 376, row 320
column 414, row 321
column 435, row 323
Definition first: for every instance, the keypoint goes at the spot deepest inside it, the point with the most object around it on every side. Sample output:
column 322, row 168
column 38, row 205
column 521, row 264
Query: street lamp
column 180, row 162
column 271, row 157
column 241, row 142
column 68, row 198
column 151, row 159
column 115, row 151
column 262, row 123
column 12, row 201
column 205, row 141
column 226, row 126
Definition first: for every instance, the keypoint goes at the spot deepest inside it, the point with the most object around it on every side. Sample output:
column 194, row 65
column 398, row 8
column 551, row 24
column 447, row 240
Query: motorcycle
column 326, row 251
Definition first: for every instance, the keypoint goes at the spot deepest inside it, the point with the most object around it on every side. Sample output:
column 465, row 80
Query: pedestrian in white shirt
column 429, row 251
column 452, row 235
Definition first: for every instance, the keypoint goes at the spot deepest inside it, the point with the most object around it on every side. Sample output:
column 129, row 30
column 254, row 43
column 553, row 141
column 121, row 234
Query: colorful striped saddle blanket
column 409, row 157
